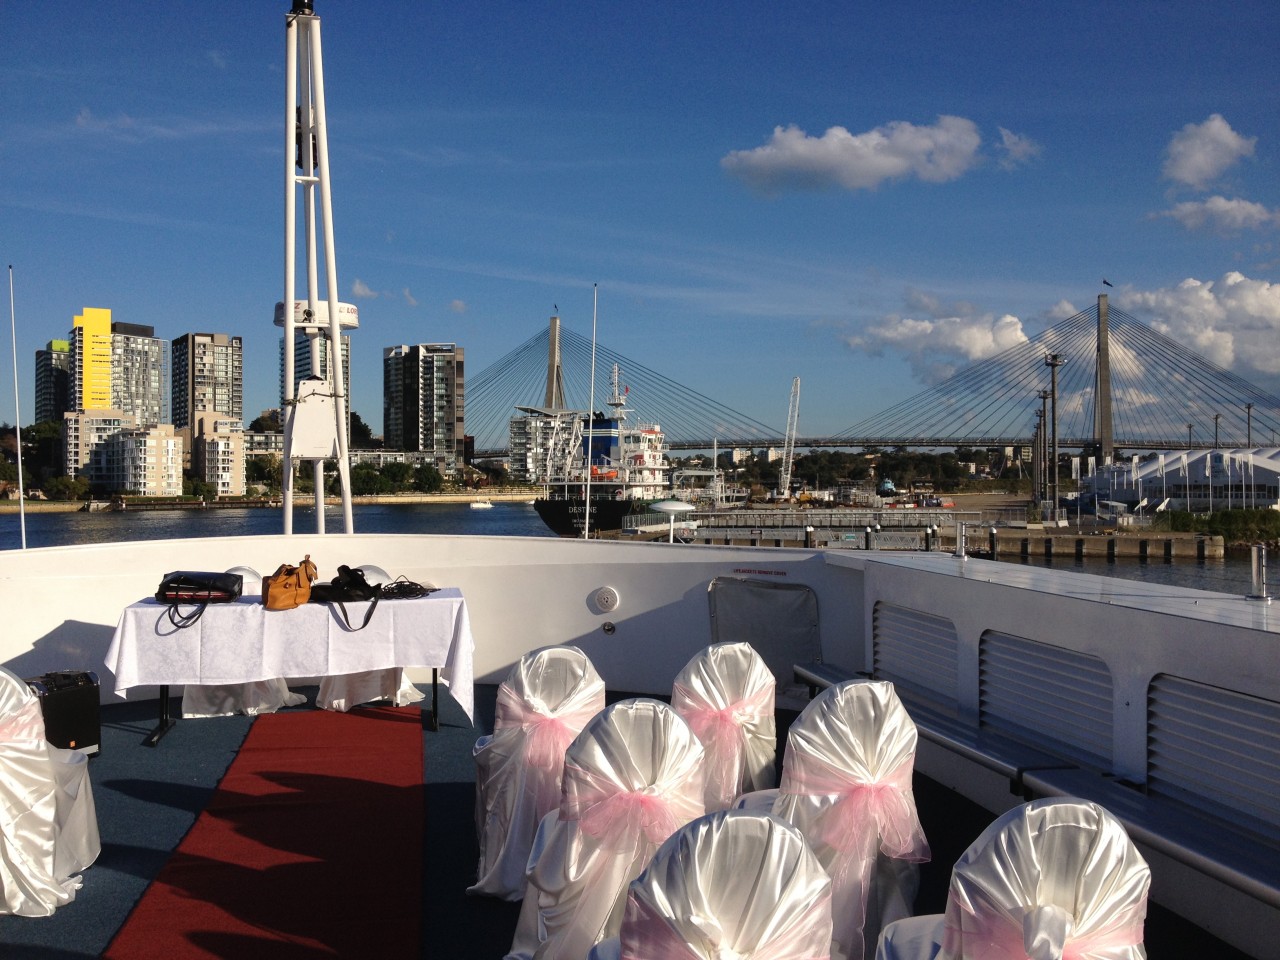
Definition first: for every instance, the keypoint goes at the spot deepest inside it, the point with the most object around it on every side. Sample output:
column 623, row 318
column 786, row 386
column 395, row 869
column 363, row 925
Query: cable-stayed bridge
column 1153, row 393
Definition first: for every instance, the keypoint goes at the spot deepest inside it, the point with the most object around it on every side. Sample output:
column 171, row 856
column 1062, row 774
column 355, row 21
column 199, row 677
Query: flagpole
column 591, row 416
column 17, row 416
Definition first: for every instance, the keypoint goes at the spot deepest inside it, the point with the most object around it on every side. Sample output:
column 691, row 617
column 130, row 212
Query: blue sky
column 867, row 196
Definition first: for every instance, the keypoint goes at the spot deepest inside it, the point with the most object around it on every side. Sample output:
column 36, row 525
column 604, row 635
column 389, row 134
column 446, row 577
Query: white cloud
column 1200, row 152
column 1015, row 150
column 409, row 298
column 937, row 346
column 1233, row 322
column 1062, row 310
column 217, row 58
column 458, row 306
column 895, row 151
column 362, row 290
column 1223, row 215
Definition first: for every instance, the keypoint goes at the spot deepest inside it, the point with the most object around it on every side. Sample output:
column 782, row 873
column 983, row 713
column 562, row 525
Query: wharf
column 999, row 542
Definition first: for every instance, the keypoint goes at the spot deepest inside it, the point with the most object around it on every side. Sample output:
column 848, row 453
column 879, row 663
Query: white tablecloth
column 244, row 641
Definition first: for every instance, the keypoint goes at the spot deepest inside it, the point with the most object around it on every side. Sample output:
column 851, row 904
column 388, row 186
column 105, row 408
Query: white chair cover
column 543, row 704
column 726, row 695
column 48, row 824
column 632, row 777
column 1053, row 879
column 730, row 884
column 261, row 696
column 846, row 783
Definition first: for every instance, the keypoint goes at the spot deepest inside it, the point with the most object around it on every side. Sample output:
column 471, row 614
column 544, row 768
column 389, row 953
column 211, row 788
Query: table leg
column 434, row 723
column 166, row 721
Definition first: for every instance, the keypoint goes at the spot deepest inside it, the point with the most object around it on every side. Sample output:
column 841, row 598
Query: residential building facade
column 423, row 391
column 218, row 453
column 207, row 377
column 53, row 381
column 90, row 348
column 139, row 373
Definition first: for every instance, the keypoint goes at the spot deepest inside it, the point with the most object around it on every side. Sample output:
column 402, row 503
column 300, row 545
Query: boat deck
column 147, row 799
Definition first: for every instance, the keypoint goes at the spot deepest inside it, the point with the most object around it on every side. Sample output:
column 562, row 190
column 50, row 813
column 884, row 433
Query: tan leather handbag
column 289, row 586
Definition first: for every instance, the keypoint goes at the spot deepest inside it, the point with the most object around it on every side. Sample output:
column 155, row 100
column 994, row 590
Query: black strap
column 180, row 619
column 367, row 614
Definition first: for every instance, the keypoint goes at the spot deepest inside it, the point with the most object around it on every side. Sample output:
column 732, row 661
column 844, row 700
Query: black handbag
column 347, row 587
column 199, row 588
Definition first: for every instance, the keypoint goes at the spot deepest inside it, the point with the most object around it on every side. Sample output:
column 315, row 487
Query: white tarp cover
column 48, row 823
column 779, row 620
column 1054, row 879
column 632, row 777
column 543, row 704
column 726, row 695
column 846, row 783
column 730, row 884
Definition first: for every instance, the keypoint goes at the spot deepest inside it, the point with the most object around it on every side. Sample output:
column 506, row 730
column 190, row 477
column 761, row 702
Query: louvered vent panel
column 1047, row 695
column 917, row 651
column 1209, row 746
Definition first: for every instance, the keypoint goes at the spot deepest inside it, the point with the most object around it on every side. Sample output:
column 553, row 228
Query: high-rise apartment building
column 139, row 373
column 53, row 381
column 422, row 399
column 90, row 340
column 207, row 377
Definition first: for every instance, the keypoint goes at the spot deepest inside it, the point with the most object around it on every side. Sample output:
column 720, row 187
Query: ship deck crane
column 789, row 448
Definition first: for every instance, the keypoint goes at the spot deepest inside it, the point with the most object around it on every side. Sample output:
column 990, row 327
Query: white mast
column 306, row 160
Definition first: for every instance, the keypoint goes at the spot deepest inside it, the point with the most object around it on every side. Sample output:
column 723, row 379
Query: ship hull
column 566, row 516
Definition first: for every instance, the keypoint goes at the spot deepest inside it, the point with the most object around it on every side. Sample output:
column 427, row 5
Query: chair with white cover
column 846, row 783
column 48, row 823
column 730, row 884
column 544, row 703
column 1051, row 879
column 726, row 694
column 224, row 700
column 632, row 777
column 344, row 691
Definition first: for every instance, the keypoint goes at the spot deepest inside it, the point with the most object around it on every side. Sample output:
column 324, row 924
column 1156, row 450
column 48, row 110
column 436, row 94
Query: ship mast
column 314, row 415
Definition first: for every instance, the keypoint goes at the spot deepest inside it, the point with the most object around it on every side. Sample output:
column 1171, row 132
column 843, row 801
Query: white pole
column 290, row 239
column 17, row 417
column 591, row 414
column 331, row 276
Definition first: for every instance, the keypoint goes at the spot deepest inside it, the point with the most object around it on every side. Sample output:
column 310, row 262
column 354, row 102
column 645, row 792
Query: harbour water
column 1231, row 575
column 61, row 529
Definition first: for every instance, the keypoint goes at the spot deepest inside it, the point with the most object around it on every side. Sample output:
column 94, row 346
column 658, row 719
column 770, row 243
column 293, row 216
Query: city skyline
column 869, row 200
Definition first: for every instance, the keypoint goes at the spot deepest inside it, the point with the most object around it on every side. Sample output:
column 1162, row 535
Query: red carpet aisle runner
column 312, row 847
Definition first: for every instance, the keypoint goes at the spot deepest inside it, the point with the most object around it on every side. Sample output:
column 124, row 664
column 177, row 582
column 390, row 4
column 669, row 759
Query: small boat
column 481, row 505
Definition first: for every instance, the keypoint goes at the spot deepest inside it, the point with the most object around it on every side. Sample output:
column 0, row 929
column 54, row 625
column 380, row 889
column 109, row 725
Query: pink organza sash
column 547, row 735
column 993, row 934
column 648, row 935
column 25, row 723
column 887, row 802
column 720, row 730
column 619, row 818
